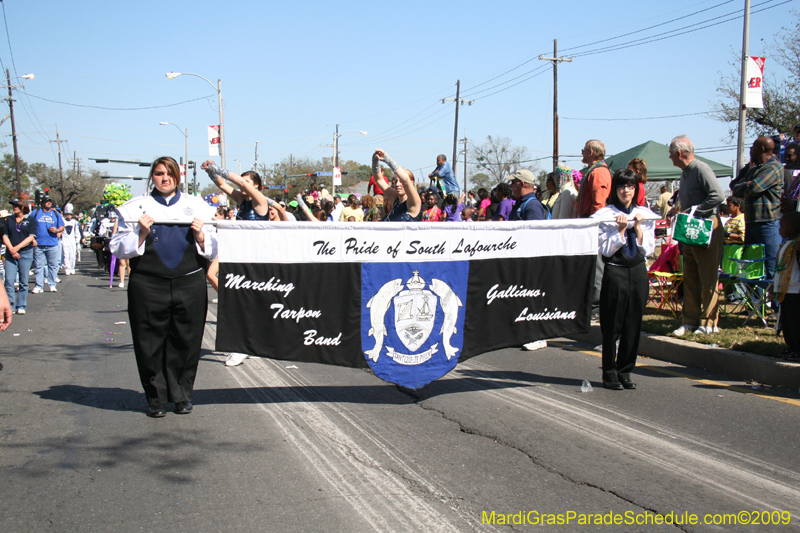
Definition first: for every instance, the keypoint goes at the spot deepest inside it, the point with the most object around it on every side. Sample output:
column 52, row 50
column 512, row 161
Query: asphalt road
column 277, row 446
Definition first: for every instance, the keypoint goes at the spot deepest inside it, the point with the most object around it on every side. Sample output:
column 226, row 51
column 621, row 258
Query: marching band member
column 167, row 297
column 625, row 244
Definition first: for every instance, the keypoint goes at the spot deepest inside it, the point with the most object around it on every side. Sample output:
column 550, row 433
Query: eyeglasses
column 630, row 186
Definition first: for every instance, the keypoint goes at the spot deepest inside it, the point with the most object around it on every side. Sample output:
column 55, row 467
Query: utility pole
column 464, row 140
column 76, row 164
column 60, row 169
column 742, row 108
column 555, row 60
column 255, row 165
column 14, row 135
column 458, row 100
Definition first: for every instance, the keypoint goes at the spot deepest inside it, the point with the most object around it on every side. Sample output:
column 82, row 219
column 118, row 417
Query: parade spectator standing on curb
column 49, row 226
column 624, row 245
column 787, row 283
column 734, row 227
column 699, row 187
column 596, row 183
column 20, row 231
column 662, row 204
column 443, row 175
column 523, row 190
column 762, row 188
column 353, row 210
column 564, row 206
column 504, row 195
column 167, row 295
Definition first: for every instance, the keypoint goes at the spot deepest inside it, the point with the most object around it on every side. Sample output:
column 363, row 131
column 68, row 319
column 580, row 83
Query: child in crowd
column 734, row 228
column 787, row 283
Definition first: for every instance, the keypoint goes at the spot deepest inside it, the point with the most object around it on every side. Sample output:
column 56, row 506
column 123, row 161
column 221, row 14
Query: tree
column 8, row 180
column 781, row 94
column 297, row 171
column 82, row 189
column 497, row 159
column 481, row 180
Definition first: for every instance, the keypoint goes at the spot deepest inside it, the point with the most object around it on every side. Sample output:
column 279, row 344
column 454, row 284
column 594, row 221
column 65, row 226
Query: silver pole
column 221, row 125
column 743, row 91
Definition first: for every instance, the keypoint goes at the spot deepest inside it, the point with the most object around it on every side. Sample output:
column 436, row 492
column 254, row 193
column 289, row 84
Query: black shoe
column 627, row 384
column 157, row 412
column 183, row 408
column 612, row 385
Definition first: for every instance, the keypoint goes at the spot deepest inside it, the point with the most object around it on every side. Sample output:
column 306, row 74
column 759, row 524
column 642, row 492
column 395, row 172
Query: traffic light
column 311, row 174
column 38, row 197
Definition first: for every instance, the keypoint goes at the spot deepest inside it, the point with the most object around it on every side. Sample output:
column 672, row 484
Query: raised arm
column 218, row 176
column 413, row 201
column 302, row 203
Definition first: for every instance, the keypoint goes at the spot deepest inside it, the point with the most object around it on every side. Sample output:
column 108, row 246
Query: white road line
column 728, row 477
column 381, row 497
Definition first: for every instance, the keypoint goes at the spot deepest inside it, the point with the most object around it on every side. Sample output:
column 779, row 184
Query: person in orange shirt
column 596, row 183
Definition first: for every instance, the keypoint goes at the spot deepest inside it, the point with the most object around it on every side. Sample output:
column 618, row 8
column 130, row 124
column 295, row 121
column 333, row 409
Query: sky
column 291, row 71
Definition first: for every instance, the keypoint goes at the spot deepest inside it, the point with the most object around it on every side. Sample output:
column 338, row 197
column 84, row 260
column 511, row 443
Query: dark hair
column 793, row 219
column 504, row 189
column 793, row 146
column 173, row 170
column 451, row 199
column 327, row 206
column 624, row 176
column 735, row 200
column 483, row 194
column 255, row 177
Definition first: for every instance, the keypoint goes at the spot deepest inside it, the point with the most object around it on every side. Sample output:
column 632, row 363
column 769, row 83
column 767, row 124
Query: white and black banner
column 407, row 299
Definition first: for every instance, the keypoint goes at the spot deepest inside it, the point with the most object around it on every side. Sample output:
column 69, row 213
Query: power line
column 648, row 28
column 666, row 35
column 640, row 118
column 118, row 108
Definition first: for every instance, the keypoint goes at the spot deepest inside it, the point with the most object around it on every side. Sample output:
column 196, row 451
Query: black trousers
column 623, row 298
column 167, row 320
column 790, row 320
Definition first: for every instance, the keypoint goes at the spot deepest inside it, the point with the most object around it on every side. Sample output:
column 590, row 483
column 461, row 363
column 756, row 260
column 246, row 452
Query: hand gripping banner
column 408, row 300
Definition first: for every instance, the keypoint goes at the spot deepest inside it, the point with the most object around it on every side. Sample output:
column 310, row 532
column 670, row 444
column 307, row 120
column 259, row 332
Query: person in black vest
column 625, row 241
column 162, row 234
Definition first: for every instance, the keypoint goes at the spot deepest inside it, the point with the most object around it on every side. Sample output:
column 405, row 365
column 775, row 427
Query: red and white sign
column 213, row 140
column 754, row 74
column 183, row 172
column 337, row 175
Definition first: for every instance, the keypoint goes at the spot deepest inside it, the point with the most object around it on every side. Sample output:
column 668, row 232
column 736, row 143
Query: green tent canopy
column 659, row 165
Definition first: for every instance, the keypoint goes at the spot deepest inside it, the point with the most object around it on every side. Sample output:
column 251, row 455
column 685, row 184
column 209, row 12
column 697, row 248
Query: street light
column 240, row 166
column 336, row 149
column 218, row 88
column 186, row 159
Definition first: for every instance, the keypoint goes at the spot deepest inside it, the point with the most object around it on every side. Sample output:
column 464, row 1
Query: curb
column 740, row 365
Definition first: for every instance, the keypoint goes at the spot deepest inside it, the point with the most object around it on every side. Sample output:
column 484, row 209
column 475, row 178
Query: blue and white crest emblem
column 412, row 331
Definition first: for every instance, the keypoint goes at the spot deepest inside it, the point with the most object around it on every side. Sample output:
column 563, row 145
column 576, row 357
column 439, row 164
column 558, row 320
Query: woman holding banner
column 162, row 234
column 626, row 239
column 402, row 195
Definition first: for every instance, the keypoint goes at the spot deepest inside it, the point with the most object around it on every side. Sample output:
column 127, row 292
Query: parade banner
column 754, row 74
column 409, row 300
column 213, row 141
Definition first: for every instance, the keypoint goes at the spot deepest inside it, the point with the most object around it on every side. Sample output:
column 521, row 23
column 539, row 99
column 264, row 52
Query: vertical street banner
column 754, row 74
column 409, row 300
column 213, row 140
